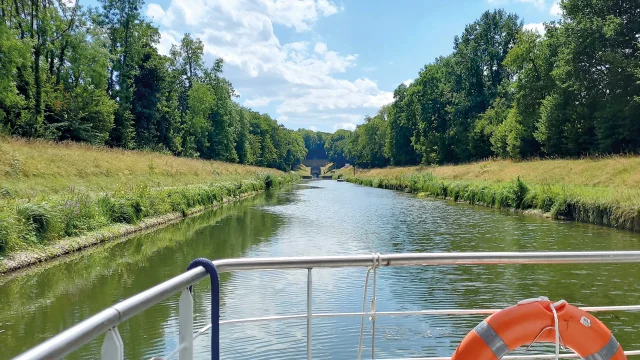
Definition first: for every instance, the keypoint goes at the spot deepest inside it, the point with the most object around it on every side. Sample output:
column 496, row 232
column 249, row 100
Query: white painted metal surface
column 186, row 325
column 112, row 347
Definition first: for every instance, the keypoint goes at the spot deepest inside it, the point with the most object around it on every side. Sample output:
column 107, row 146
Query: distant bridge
column 316, row 166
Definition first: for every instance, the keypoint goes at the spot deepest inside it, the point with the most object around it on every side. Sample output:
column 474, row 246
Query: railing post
column 309, row 313
column 112, row 347
column 215, row 303
column 185, row 337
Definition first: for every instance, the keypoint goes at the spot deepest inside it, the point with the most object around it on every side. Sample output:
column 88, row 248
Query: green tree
column 367, row 144
column 598, row 60
column 243, row 143
column 151, row 82
column 532, row 61
column 478, row 72
column 336, row 147
column 77, row 106
column 223, row 118
column 191, row 59
column 430, row 92
column 14, row 56
column 202, row 101
column 314, row 141
column 127, row 32
column 399, row 148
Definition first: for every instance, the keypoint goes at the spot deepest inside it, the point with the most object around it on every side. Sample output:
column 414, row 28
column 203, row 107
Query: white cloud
column 340, row 94
column 155, row 12
column 297, row 78
column 327, row 7
column 345, row 126
column 167, row 38
column 408, row 82
column 297, row 14
column 556, row 10
column 535, row 27
column 313, row 128
column 258, row 102
column 320, row 48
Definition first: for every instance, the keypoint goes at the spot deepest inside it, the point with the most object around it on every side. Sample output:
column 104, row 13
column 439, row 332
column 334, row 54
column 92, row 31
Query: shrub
column 560, row 208
column 117, row 210
column 268, row 181
column 39, row 217
column 517, row 191
column 79, row 214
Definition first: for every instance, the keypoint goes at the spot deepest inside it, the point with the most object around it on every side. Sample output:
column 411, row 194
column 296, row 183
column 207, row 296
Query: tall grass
column 25, row 224
column 50, row 191
column 37, row 168
column 604, row 171
column 585, row 204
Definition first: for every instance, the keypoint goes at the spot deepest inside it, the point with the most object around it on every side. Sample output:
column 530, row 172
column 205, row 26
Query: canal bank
column 603, row 191
column 57, row 198
column 202, row 199
column 304, row 220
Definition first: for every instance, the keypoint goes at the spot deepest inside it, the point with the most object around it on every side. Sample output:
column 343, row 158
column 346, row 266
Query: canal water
column 322, row 218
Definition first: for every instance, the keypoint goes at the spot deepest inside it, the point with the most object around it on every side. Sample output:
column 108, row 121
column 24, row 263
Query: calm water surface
column 322, row 218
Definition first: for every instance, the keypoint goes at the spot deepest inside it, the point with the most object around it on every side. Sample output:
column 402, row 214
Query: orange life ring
column 521, row 324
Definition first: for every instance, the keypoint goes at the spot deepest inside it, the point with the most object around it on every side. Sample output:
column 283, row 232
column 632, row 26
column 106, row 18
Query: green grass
column 603, row 191
column 50, row 191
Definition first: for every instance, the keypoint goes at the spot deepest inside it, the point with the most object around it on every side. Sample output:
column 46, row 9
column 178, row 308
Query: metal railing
column 106, row 321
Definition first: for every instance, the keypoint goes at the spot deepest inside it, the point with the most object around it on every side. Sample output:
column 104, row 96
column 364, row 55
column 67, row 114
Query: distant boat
column 341, row 180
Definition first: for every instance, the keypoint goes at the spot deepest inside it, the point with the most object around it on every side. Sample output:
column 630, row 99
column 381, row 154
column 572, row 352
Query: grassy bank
column 603, row 191
column 50, row 192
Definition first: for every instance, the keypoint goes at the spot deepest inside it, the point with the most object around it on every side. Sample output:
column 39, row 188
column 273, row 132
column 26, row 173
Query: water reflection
column 45, row 301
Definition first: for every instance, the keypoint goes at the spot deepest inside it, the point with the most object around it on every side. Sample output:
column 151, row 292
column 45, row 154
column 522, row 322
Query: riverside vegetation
column 50, row 191
column 602, row 191
column 506, row 92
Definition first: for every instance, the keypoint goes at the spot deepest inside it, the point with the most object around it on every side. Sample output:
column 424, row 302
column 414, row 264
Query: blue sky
column 325, row 64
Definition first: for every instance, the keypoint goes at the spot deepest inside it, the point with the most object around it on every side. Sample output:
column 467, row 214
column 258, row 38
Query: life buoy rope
column 531, row 321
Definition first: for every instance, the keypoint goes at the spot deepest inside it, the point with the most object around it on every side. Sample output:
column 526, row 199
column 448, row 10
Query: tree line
column 94, row 74
column 510, row 93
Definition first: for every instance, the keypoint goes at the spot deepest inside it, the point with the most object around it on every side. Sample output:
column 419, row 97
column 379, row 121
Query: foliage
column 95, row 75
column 336, row 146
column 367, row 144
column 314, row 142
column 38, row 217
column 510, row 93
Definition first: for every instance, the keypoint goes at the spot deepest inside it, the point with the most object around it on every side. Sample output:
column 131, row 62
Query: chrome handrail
column 106, row 320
